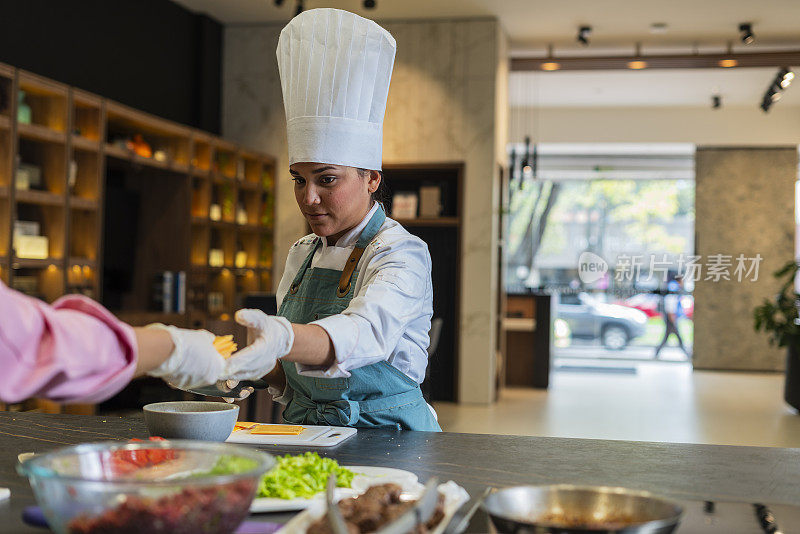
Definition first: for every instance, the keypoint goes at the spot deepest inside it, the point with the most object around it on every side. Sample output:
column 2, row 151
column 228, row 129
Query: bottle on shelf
column 227, row 203
column 240, row 260
column 215, row 210
column 241, row 213
column 216, row 256
column 24, row 113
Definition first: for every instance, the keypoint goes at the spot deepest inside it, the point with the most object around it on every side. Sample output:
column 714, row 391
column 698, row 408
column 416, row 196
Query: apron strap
column 302, row 271
column 367, row 234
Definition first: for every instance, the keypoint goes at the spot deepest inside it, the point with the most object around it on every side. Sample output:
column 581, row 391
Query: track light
column 278, row 3
column 369, row 4
column 299, row 8
column 716, row 101
column 746, row 31
column 775, row 90
column 584, row 32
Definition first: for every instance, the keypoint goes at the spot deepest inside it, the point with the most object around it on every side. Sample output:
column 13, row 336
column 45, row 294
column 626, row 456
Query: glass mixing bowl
column 146, row 487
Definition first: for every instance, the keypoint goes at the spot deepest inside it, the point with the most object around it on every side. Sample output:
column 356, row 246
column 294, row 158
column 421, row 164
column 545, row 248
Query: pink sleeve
column 72, row 351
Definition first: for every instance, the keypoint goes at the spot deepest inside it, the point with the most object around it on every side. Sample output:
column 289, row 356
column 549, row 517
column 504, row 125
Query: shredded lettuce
column 230, row 465
column 302, row 476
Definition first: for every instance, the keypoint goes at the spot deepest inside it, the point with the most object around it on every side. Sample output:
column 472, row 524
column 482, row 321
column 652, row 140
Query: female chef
column 355, row 300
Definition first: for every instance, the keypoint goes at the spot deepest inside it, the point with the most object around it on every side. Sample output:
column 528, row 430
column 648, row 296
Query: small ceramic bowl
column 205, row 421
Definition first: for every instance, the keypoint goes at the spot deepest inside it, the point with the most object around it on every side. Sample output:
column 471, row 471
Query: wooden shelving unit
column 79, row 143
column 443, row 237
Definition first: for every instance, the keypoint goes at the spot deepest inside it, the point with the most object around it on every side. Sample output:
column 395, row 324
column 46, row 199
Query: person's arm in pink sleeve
column 72, row 351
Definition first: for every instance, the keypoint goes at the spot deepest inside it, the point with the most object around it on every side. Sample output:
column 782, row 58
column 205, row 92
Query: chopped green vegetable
column 302, row 476
column 231, row 465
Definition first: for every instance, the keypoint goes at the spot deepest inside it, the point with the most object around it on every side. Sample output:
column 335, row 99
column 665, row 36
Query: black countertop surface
column 683, row 471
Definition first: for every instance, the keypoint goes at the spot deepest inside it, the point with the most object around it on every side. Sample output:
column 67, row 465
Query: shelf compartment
column 52, row 224
column 201, row 197
column 224, row 194
column 199, row 246
column 84, row 239
column 226, row 160
column 221, row 291
column 265, row 251
column 87, row 117
column 247, row 281
column 202, row 153
column 42, row 279
column 51, row 160
column 47, row 101
column 249, row 243
column 252, row 202
column 87, row 176
column 81, row 277
column 252, row 169
column 162, row 135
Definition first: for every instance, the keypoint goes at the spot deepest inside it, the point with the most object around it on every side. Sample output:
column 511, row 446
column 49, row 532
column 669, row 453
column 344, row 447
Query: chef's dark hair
column 382, row 193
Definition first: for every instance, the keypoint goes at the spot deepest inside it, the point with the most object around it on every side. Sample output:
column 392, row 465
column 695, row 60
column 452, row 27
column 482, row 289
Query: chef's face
column 333, row 198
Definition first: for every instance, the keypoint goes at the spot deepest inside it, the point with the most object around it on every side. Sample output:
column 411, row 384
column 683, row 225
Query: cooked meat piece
column 322, row 526
column 347, row 507
column 378, row 506
column 393, row 511
column 385, row 493
column 367, row 514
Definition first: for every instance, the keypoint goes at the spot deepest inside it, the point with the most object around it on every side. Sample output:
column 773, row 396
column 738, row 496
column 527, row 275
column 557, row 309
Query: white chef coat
column 389, row 317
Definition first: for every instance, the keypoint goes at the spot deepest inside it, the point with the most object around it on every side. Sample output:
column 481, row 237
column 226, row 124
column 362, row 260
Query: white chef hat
column 335, row 69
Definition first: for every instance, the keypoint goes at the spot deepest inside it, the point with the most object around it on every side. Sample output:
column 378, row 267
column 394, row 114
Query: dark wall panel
column 152, row 55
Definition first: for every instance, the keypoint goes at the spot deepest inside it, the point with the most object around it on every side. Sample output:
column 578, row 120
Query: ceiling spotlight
column 746, row 31
column 551, row 65
column 716, row 101
column 637, row 65
column 727, row 63
column 786, row 78
column 369, row 4
column 775, row 90
column 584, row 32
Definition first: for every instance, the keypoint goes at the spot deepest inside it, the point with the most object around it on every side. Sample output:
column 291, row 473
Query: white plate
column 365, row 476
column 454, row 497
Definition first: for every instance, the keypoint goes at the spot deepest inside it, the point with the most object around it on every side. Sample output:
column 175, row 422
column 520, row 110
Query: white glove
column 272, row 338
column 194, row 362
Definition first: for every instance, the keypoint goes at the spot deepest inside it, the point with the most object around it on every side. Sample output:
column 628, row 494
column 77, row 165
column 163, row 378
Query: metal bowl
column 565, row 508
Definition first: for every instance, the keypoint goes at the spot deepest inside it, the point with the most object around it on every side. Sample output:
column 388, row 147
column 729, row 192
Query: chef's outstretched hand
column 272, row 338
column 193, row 362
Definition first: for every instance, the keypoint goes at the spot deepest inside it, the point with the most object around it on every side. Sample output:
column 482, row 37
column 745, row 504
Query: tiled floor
column 660, row 402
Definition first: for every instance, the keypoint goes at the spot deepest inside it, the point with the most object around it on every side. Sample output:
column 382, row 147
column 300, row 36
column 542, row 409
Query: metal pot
column 563, row 508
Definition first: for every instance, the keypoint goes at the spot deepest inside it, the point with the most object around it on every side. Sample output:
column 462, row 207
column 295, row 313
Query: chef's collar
column 349, row 238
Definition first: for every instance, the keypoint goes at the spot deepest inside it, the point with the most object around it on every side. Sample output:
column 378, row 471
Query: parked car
column 588, row 318
column 649, row 304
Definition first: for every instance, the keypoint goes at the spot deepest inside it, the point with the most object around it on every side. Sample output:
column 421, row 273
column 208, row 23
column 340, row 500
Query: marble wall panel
column 744, row 205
